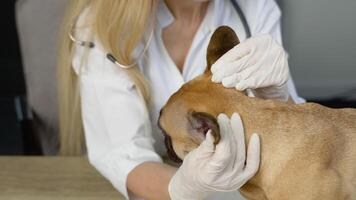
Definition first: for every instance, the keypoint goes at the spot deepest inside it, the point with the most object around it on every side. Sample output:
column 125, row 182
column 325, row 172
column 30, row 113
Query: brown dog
column 308, row 151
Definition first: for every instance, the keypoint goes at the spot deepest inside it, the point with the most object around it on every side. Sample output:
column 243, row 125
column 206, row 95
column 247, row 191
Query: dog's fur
column 308, row 151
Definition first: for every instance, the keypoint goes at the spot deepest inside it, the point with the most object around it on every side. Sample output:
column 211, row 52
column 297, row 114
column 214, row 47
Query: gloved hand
column 259, row 63
column 209, row 169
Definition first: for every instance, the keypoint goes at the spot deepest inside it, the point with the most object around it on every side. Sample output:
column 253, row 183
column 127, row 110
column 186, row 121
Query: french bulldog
column 308, row 151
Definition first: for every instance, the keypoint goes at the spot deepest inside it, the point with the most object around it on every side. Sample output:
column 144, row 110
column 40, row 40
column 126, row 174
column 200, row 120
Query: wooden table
column 42, row 178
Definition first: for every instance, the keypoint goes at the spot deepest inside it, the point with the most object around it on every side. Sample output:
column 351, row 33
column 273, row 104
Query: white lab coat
column 120, row 132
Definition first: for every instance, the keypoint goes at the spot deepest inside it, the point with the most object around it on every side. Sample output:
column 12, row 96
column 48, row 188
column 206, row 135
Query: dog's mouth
column 170, row 151
column 168, row 143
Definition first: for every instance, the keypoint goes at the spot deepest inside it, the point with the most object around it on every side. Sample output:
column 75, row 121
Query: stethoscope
column 110, row 57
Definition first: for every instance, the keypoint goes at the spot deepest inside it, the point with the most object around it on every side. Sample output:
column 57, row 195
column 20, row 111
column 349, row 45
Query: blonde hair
column 119, row 26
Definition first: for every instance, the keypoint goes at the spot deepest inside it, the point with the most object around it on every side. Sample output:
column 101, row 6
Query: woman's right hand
column 209, row 169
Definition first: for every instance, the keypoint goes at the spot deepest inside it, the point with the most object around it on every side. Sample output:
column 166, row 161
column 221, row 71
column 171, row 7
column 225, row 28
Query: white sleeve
column 264, row 17
column 116, row 124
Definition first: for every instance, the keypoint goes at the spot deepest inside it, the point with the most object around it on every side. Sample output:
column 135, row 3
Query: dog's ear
column 222, row 40
column 201, row 123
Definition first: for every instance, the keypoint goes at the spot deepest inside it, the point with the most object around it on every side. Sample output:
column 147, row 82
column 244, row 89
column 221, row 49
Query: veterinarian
column 120, row 60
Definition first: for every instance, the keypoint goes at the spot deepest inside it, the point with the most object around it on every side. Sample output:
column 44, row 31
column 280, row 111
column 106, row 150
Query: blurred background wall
column 28, row 93
column 12, row 86
column 318, row 34
column 38, row 25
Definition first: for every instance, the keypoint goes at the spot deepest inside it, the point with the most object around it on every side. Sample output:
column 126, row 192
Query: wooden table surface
column 39, row 178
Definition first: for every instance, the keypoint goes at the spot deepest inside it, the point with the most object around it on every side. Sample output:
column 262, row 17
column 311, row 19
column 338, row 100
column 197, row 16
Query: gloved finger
column 233, row 147
column 250, row 93
column 225, row 132
column 252, row 163
column 217, row 65
column 207, row 147
column 245, row 71
column 239, row 181
column 241, row 86
column 236, row 66
column 230, row 81
column 223, row 152
column 253, row 155
column 230, row 68
column 216, row 78
column 250, row 83
column 252, row 71
column 239, row 51
column 239, row 78
column 239, row 136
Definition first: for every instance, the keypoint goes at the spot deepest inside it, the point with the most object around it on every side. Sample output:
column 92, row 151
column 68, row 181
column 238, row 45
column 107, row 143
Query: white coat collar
column 209, row 24
column 164, row 15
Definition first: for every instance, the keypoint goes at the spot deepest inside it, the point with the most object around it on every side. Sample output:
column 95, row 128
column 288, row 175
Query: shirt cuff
column 117, row 164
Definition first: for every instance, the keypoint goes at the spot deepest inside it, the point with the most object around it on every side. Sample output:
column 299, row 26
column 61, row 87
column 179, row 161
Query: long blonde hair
column 119, row 26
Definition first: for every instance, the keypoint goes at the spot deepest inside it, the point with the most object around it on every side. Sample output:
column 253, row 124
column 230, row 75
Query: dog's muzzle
column 170, row 151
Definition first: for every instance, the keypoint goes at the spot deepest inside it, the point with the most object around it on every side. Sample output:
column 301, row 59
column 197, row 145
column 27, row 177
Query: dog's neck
column 259, row 116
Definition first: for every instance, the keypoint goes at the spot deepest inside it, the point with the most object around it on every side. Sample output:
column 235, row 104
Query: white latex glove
column 259, row 63
column 209, row 169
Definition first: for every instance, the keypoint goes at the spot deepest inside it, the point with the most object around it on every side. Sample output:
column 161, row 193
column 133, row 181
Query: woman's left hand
column 259, row 63
column 224, row 167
